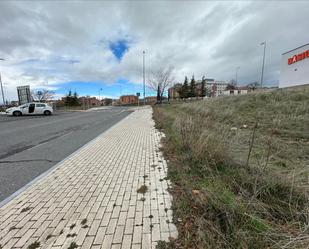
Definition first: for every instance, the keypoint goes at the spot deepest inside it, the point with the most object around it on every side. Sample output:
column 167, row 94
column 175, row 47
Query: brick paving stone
column 100, row 236
column 118, row 235
column 107, row 242
column 94, row 228
column 116, row 246
column 98, row 183
column 87, row 244
column 10, row 243
column 127, row 240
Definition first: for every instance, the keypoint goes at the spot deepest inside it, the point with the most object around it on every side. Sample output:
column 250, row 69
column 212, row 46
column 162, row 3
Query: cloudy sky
column 89, row 45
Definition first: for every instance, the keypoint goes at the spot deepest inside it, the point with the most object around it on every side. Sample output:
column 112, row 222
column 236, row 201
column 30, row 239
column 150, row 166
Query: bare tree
column 43, row 95
column 160, row 80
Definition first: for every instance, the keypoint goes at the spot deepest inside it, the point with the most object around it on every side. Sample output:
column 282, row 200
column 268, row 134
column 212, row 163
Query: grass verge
column 239, row 167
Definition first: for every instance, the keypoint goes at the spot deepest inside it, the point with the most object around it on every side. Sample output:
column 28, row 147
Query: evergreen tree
column 192, row 92
column 75, row 100
column 203, row 87
column 185, row 89
column 71, row 100
column 67, row 99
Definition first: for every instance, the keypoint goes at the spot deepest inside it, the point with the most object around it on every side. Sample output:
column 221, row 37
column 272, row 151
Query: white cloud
column 39, row 39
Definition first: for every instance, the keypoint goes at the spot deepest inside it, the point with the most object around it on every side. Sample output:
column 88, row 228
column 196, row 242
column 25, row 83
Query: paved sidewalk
column 91, row 198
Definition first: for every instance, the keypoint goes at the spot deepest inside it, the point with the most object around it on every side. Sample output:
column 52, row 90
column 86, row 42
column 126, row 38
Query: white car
column 30, row 109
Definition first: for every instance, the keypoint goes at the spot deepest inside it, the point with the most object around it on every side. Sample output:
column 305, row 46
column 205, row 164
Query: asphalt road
column 30, row 145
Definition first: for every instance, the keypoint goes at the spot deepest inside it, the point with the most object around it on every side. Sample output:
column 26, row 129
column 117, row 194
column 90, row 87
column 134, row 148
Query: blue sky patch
column 120, row 87
column 119, row 48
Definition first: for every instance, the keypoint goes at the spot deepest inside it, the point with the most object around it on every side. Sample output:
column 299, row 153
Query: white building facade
column 215, row 87
column 235, row 92
column 295, row 67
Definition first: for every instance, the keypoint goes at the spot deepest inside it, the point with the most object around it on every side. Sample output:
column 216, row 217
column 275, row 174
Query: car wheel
column 17, row 113
column 47, row 113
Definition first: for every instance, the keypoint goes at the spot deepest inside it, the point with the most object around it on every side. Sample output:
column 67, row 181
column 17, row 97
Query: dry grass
column 240, row 169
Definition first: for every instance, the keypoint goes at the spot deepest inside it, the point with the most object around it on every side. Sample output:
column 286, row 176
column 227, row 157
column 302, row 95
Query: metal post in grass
column 144, row 87
column 237, row 68
column 263, row 63
column 2, row 92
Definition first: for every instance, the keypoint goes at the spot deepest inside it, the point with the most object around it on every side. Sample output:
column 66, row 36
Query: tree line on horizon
column 190, row 90
column 71, row 99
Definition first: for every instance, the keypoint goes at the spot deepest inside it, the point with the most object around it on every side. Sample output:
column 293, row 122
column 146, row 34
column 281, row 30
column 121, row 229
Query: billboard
column 294, row 67
column 24, row 94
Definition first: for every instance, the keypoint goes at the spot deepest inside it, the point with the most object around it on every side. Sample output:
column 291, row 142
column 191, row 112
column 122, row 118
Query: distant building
column 107, row 101
column 235, row 92
column 89, row 101
column 294, row 67
column 151, row 99
column 214, row 88
column 128, row 99
column 173, row 92
column 24, row 94
column 116, row 102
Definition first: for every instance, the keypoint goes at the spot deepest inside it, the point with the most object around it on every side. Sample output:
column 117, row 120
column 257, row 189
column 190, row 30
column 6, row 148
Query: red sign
column 298, row 57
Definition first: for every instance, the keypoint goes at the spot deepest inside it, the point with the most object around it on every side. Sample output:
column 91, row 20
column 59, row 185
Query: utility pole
column 262, row 74
column 144, row 77
column 1, row 59
column 237, row 74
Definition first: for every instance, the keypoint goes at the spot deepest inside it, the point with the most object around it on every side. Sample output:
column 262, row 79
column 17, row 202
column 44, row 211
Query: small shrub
column 48, row 237
column 142, row 189
column 73, row 245
column 84, row 221
column 34, row 245
column 25, row 209
column 71, row 235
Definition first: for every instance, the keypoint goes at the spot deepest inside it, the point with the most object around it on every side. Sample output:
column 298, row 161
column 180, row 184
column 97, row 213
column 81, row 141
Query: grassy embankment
column 240, row 170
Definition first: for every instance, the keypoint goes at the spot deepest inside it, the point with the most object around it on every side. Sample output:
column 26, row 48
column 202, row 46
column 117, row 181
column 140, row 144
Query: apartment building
column 128, row 99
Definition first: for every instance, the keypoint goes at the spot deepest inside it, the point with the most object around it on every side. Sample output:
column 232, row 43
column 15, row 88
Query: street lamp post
column 263, row 63
column 237, row 68
column 1, row 59
column 144, row 87
column 100, row 90
column 100, row 98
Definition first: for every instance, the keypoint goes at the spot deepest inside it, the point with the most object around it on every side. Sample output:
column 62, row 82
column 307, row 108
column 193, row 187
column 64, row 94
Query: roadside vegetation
column 239, row 168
